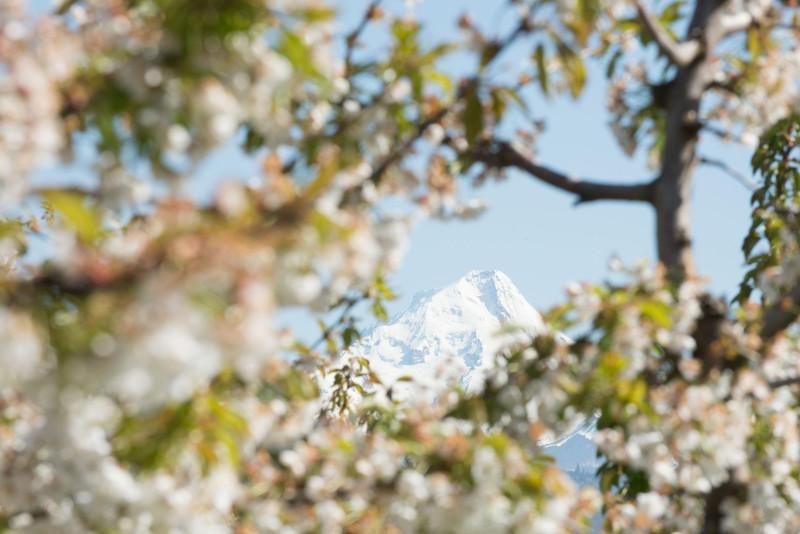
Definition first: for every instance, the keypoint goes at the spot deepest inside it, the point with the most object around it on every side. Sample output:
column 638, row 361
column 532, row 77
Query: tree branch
column 351, row 40
column 782, row 314
column 500, row 154
column 730, row 171
column 65, row 6
column 785, row 382
column 713, row 514
column 679, row 53
column 403, row 148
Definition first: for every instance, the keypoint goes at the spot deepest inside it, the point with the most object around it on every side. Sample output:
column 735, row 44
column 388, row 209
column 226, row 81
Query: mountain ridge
column 461, row 321
column 452, row 334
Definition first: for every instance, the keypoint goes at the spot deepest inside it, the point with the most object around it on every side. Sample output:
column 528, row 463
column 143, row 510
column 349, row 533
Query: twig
column 327, row 332
column 498, row 48
column 730, row 171
column 352, row 38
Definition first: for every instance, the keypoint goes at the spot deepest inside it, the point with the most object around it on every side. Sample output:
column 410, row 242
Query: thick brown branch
column 679, row 53
column 501, row 154
column 782, row 314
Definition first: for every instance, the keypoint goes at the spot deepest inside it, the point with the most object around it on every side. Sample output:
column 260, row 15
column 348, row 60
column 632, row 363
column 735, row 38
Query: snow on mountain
column 455, row 327
column 453, row 333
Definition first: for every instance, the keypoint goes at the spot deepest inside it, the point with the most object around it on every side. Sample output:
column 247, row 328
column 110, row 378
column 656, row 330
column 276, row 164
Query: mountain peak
column 459, row 322
column 452, row 334
column 483, row 275
column 498, row 294
column 488, row 282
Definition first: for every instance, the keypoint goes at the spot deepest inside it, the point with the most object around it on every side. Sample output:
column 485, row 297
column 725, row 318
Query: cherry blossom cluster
column 693, row 431
column 146, row 385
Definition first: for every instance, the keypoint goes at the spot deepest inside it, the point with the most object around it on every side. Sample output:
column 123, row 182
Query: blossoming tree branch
column 145, row 385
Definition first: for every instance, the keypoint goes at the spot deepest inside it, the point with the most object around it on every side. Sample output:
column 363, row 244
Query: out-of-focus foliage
column 145, row 385
column 771, row 245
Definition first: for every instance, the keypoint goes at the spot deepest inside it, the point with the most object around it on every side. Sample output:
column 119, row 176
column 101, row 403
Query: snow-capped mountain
column 456, row 326
column 452, row 334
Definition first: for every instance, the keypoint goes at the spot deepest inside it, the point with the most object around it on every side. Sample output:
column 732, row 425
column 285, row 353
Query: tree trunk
column 673, row 189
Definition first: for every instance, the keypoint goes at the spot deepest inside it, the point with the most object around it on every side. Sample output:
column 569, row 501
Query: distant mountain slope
column 457, row 324
column 452, row 334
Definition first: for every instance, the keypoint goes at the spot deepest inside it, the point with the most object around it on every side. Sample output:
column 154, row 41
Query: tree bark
column 713, row 515
column 673, row 188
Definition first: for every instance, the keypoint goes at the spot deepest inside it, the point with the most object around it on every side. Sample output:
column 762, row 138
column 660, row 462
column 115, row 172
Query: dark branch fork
column 670, row 192
column 681, row 53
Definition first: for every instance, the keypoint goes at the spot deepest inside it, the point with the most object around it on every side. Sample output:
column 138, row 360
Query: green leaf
column 229, row 443
column 15, row 231
column 541, row 69
column 77, row 215
column 488, row 53
column 671, row 13
column 382, row 289
column 611, row 68
column 610, row 366
column 350, row 335
column 749, row 243
column 656, row 311
column 588, row 11
column 317, row 13
column 440, row 79
column 473, row 115
column 379, row 311
column 574, row 70
column 406, row 34
column 299, row 55
column 753, row 43
column 498, row 442
column 498, row 103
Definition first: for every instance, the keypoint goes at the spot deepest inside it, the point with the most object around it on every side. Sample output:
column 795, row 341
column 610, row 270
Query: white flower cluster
column 715, row 428
column 771, row 95
column 697, row 433
column 34, row 60
column 143, row 384
column 749, row 86
column 23, row 354
column 776, row 281
column 345, row 482
column 732, row 434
